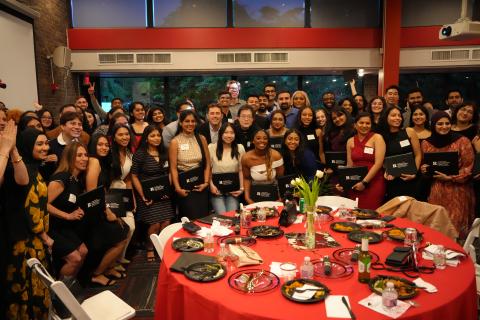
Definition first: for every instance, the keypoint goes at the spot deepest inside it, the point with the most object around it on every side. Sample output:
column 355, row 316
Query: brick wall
column 50, row 32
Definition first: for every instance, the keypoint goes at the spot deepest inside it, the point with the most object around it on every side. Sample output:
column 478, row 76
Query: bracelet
column 365, row 183
column 17, row 161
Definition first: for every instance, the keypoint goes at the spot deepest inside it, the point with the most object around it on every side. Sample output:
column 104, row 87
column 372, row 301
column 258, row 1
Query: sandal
column 151, row 255
column 112, row 273
column 93, row 283
column 120, row 268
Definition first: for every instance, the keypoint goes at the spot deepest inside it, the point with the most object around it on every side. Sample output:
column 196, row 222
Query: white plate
column 264, row 204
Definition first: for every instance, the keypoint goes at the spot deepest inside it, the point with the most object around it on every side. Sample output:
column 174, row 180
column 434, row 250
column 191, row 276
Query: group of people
column 237, row 153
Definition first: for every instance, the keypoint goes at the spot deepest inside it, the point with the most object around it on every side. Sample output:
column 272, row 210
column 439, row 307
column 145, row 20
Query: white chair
column 159, row 240
column 102, row 306
column 470, row 249
column 336, row 201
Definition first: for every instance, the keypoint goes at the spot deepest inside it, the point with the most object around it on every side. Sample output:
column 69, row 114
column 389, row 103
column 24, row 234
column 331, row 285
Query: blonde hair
column 67, row 161
column 307, row 100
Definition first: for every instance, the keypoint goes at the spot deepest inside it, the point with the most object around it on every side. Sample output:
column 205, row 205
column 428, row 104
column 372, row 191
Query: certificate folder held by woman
column 93, row 202
column 157, row 189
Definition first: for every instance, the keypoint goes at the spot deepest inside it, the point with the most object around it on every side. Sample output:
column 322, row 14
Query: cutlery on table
column 352, row 315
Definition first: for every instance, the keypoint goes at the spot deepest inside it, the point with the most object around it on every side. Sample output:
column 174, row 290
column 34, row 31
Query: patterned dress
column 457, row 196
column 28, row 298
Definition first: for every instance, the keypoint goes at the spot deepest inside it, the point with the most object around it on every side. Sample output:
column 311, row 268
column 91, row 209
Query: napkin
column 371, row 222
column 216, row 229
column 374, row 302
column 427, row 285
column 306, row 295
column 275, row 268
column 335, row 307
column 453, row 257
column 299, row 219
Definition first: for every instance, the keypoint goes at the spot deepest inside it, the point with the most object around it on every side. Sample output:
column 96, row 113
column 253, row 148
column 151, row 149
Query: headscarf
column 25, row 143
column 441, row 140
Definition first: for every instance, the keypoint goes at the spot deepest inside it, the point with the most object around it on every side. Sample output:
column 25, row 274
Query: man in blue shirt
column 288, row 110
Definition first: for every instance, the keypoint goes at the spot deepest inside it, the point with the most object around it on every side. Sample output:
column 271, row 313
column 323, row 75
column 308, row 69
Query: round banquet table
column 180, row 298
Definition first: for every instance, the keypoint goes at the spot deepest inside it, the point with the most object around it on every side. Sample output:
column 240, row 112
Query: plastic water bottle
column 306, row 270
column 389, row 297
column 222, row 255
column 440, row 257
column 343, row 211
column 208, row 243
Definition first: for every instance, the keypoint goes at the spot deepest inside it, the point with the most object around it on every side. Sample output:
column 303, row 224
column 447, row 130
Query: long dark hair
column 115, row 150
column 183, row 115
column 143, row 146
column 268, row 153
column 105, row 162
column 113, row 121
column 465, row 104
column 40, row 114
column 383, row 126
column 426, row 125
column 312, row 125
column 353, row 103
column 219, row 153
column 132, row 107
column 154, row 108
column 287, row 158
column 346, row 130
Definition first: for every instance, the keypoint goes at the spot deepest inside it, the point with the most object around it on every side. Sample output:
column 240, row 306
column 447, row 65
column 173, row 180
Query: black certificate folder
column 226, row 182
column 444, row 162
column 191, row 178
column 335, row 159
column 349, row 176
column 398, row 164
column 93, row 202
column 156, row 188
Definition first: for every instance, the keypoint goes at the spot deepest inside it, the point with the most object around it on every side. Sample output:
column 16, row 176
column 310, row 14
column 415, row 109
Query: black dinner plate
column 345, row 227
column 188, row 244
column 398, row 234
column 288, row 289
column 232, row 239
column 266, row 231
column 405, row 288
column 365, row 213
column 356, row 236
column 323, row 210
column 205, row 271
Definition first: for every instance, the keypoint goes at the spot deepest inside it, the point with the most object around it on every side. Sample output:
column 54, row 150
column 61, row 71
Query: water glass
column 322, row 219
column 289, row 270
column 440, row 257
column 350, row 217
column 410, row 237
column 232, row 260
column 262, row 215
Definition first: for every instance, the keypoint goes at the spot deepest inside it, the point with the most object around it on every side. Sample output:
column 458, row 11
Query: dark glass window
column 345, row 14
column 190, row 13
column 254, row 84
column 108, row 13
column 269, row 13
column 430, row 12
column 315, row 86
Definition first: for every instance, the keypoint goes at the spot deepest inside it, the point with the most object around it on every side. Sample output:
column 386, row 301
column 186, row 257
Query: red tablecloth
column 180, row 298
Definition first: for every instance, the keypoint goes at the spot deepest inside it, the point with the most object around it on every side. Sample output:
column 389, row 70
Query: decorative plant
column 310, row 190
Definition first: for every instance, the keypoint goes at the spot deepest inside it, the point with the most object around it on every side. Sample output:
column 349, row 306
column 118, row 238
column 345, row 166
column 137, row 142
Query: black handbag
column 286, row 219
column 400, row 257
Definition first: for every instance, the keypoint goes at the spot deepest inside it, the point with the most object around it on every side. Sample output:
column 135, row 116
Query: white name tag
column 72, row 198
column 248, row 144
column 368, row 150
column 310, row 137
column 230, row 120
column 404, row 143
column 166, row 164
column 184, row 147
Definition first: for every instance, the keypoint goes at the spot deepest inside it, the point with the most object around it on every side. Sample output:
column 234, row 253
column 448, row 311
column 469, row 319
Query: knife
column 352, row 315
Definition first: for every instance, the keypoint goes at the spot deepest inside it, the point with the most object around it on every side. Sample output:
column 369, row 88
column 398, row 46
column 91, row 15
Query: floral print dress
column 28, row 298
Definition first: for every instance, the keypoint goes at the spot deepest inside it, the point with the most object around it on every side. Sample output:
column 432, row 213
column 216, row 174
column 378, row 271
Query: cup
column 289, row 270
column 410, row 237
column 262, row 215
column 440, row 257
column 232, row 260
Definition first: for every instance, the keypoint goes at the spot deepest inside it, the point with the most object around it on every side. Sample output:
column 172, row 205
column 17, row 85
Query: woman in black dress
column 67, row 227
column 399, row 141
column 151, row 161
column 297, row 159
column 107, row 237
column 465, row 119
column 312, row 135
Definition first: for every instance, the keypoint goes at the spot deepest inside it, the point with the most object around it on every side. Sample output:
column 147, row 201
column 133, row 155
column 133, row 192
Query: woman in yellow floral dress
column 27, row 297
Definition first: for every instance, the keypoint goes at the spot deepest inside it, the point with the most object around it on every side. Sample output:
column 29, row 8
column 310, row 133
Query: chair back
column 161, row 239
column 472, row 235
column 336, row 202
column 59, row 289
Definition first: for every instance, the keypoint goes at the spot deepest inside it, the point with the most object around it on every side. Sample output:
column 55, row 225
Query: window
column 192, row 14
column 269, row 13
column 315, row 86
column 345, row 14
column 430, row 12
column 108, row 13
column 254, row 84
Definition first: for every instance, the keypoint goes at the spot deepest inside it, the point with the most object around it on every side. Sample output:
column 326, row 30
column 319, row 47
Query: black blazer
column 204, row 130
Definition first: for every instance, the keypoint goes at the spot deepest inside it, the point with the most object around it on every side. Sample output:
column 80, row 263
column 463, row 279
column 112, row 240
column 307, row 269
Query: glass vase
column 310, row 230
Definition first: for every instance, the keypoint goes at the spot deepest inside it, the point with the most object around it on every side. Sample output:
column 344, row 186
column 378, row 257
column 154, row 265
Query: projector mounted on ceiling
column 462, row 29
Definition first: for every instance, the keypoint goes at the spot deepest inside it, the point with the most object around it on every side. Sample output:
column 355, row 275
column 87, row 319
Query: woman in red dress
column 367, row 149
